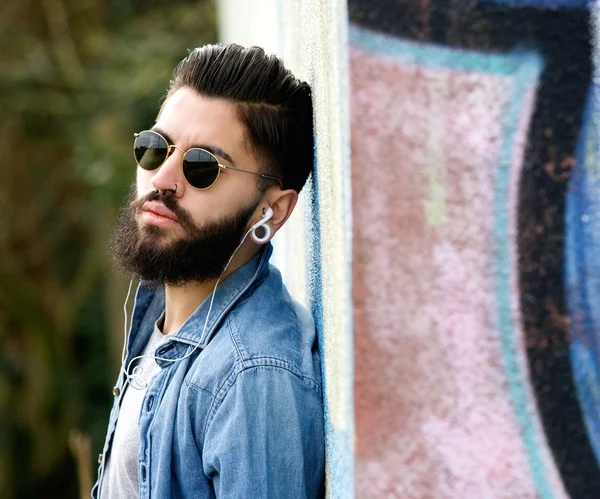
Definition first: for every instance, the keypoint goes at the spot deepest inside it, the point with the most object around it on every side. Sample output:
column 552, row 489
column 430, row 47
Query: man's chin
column 159, row 237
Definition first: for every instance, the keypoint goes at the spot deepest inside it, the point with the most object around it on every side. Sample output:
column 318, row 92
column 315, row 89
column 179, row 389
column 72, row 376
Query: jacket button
column 99, row 458
column 143, row 473
column 116, row 391
column 150, row 403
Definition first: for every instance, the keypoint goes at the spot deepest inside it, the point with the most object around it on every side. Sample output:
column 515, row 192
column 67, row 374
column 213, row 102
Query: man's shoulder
column 266, row 328
column 269, row 322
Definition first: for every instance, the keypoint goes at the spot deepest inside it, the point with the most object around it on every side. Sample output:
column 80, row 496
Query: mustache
column 185, row 218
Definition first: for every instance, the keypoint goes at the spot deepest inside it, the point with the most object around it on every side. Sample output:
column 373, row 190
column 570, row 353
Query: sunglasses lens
column 200, row 168
column 150, row 150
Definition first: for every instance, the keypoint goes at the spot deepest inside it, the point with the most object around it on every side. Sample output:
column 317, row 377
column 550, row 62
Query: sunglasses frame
column 170, row 147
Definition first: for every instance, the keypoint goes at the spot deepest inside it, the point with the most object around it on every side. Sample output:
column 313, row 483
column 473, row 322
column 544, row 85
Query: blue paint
column 525, row 77
column 427, row 55
column 582, row 272
column 523, row 66
column 543, row 4
column 340, row 455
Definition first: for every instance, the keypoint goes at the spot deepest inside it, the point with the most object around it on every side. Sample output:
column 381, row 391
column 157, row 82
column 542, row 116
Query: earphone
column 267, row 215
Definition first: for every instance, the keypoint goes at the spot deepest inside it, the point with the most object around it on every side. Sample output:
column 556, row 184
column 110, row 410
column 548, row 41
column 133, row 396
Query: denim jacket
column 242, row 416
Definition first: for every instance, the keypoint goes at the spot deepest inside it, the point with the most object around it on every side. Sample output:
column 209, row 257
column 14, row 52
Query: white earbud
column 268, row 214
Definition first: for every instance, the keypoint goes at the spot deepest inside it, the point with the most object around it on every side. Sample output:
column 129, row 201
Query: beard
column 199, row 255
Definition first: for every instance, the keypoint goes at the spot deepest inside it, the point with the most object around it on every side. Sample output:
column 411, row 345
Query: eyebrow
column 217, row 151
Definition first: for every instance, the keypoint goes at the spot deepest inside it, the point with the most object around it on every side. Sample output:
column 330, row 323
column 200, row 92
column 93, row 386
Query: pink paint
column 433, row 414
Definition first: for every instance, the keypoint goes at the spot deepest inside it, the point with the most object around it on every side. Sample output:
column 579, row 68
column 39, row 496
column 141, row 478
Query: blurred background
column 447, row 244
column 77, row 79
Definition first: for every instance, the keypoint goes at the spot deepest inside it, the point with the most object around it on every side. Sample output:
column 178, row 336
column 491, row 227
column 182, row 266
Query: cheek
column 217, row 202
column 143, row 181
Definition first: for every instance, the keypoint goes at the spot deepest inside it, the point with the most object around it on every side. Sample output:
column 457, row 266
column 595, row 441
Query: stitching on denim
column 287, row 365
column 293, row 329
column 233, row 301
column 191, row 384
column 230, row 325
column 230, row 302
column 295, row 325
column 272, row 362
column 218, row 401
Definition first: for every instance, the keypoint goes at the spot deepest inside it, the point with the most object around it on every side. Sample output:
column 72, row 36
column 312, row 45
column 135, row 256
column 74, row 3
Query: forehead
column 191, row 119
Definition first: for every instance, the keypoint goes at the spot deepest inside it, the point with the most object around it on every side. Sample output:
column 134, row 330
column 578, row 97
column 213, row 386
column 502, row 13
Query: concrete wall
column 466, row 280
column 314, row 248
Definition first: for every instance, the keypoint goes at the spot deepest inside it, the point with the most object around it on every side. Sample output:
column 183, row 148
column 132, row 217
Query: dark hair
column 273, row 105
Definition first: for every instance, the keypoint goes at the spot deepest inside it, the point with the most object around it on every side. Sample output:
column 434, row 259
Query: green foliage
column 78, row 78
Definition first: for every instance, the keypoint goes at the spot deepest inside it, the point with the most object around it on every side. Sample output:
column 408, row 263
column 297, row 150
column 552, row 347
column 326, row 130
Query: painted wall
column 475, row 261
column 453, row 238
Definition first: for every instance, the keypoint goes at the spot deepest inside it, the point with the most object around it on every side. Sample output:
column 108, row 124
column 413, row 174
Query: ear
column 282, row 203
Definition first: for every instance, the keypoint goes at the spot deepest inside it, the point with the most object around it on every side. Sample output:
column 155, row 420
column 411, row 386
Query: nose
column 170, row 175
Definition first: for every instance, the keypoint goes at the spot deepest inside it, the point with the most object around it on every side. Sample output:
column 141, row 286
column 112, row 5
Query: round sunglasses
column 201, row 168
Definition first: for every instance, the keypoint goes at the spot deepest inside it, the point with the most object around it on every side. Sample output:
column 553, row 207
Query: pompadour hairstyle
column 273, row 105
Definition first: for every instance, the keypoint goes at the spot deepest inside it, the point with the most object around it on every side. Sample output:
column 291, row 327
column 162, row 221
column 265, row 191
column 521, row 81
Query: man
column 220, row 391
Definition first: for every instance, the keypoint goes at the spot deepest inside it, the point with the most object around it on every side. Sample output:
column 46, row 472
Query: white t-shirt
column 120, row 477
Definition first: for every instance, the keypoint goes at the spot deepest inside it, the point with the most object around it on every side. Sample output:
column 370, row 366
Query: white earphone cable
column 136, row 376
column 136, row 379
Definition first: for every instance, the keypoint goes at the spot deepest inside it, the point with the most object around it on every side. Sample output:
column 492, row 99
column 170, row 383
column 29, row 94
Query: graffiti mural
column 476, row 270
column 582, row 250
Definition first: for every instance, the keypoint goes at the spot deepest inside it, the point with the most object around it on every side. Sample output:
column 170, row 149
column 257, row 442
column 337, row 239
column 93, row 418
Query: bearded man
column 220, row 390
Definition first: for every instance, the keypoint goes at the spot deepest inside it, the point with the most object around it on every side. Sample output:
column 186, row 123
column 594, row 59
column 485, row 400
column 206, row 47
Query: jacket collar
column 151, row 299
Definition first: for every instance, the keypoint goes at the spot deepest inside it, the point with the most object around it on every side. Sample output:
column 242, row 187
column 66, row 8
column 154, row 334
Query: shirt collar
column 227, row 295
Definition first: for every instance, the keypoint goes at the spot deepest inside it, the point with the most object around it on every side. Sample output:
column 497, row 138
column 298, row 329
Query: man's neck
column 182, row 301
